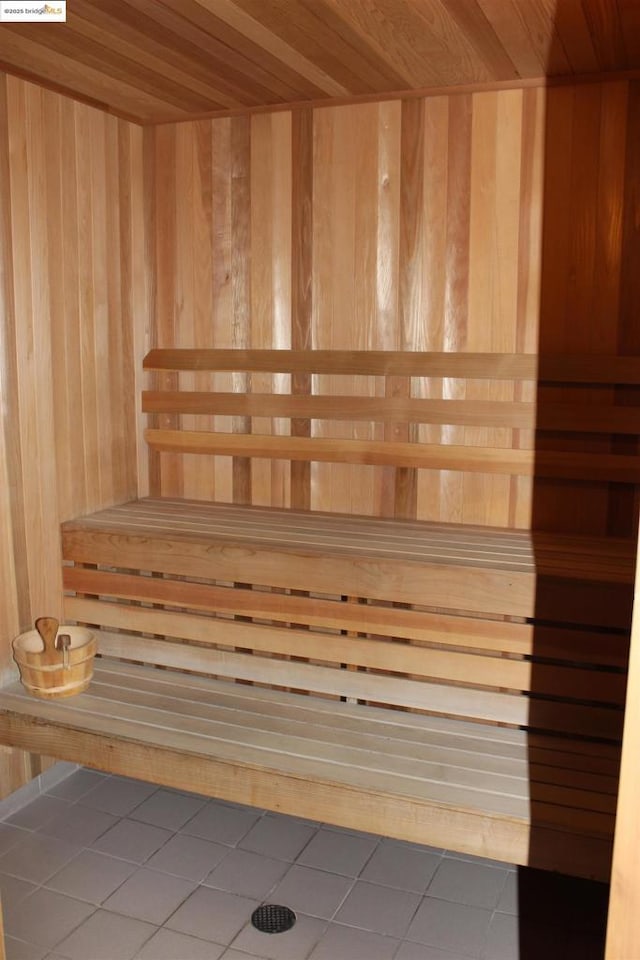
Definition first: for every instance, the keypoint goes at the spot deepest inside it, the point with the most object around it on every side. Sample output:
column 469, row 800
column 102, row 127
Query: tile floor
column 105, row 868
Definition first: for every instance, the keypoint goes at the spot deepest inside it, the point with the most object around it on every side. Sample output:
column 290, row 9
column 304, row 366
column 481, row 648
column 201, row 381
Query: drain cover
column 272, row 918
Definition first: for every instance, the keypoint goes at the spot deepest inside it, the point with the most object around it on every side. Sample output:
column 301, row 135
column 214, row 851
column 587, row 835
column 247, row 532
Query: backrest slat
column 494, row 366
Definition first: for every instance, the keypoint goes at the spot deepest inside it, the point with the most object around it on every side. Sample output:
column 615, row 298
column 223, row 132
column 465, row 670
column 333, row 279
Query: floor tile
column 106, row 936
column 19, row 950
column 278, row 837
column 399, row 865
column 220, row 823
column 79, row 824
column 503, row 941
column 169, row 945
column 508, row 901
column 46, row 917
column 118, row 796
column 168, row 809
column 188, row 857
column 35, row 814
column 312, row 892
column 131, row 841
column 247, row 874
column 149, row 895
column 484, row 861
column 232, row 954
column 37, row 857
column 9, row 836
column 292, row 945
column 421, row 951
column 76, row 785
column 470, row 883
column 348, row 943
column 379, row 909
column 91, row 876
column 13, row 890
column 451, row 926
column 338, row 853
column 212, row 915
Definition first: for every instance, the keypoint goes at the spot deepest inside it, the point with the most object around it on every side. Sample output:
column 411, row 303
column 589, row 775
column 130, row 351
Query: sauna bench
column 461, row 687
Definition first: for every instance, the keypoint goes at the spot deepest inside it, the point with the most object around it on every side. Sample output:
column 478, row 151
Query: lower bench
column 458, row 687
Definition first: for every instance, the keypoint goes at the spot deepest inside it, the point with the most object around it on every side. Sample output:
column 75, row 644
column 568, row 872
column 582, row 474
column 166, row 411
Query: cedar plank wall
column 443, row 223
column 480, row 222
column 72, row 321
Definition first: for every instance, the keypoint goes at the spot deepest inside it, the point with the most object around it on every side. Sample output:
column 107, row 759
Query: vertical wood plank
column 302, row 232
column 60, row 319
column 410, row 304
column 241, row 282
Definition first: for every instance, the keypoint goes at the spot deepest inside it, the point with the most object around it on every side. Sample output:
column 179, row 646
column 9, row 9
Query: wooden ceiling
column 161, row 60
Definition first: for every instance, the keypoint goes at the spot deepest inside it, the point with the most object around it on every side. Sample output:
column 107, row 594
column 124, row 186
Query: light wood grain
column 166, row 61
column 73, row 245
column 107, row 717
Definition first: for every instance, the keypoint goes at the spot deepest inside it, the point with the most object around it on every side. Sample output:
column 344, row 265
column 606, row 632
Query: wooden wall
column 477, row 222
column 470, row 222
column 73, row 308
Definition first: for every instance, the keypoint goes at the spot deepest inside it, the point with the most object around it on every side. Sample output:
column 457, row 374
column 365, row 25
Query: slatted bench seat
column 460, row 686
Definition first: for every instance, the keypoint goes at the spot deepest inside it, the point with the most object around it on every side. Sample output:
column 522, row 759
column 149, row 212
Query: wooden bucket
column 54, row 673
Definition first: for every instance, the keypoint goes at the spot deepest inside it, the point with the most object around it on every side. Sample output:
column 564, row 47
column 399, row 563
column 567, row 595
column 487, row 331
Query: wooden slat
column 173, row 715
column 511, row 414
column 392, row 658
column 495, row 366
column 620, row 468
column 485, row 635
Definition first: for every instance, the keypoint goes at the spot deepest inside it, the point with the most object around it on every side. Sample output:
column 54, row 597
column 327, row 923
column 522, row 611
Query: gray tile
column 348, row 943
column 278, row 837
column 9, row 836
column 485, row 861
column 400, row 865
column 46, row 917
column 188, row 857
column 292, row 945
column 169, row 945
column 233, row 954
column 450, row 926
column 35, row 814
column 117, row 795
column 338, row 853
column 465, row 882
column 380, row 909
column 76, row 785
column 106, row 936
column 312, row 892
column 79, row 824
column 19, row 950
column 37, row 857
column 503, row 940
column 168, row 809
column 91, row 876
column 421, row 951
column 149, row 895
column 247, row 874
column 508, row 902
column 131, row 841
column 212, row 915
column 13, row 891
column 220, row 823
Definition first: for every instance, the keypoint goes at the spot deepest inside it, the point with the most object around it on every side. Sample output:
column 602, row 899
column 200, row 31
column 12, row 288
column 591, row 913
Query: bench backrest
column 400, row 410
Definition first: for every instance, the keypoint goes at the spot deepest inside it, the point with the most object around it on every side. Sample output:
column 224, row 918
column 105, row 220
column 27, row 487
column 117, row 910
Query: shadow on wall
column 590, row 299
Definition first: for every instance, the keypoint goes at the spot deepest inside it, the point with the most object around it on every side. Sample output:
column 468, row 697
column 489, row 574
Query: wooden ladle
column 47, row 627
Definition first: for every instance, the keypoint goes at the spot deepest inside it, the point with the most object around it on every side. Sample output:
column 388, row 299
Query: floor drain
column 272, row 918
